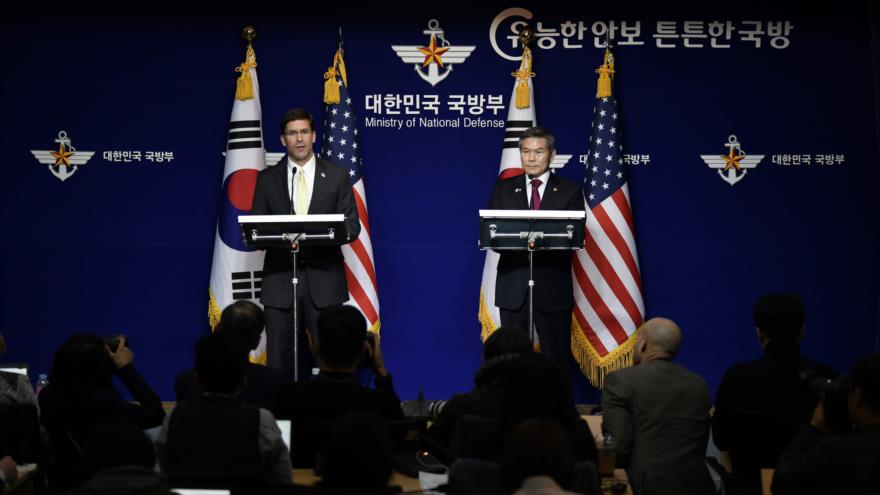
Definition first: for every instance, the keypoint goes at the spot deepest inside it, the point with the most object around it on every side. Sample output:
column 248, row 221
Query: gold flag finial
column 524, row 73
column 244, row 86
column 606, row 74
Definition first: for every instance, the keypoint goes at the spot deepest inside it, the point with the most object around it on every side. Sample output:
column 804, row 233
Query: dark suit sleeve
column 617, row 413
column 576, row 202
column 495, row 201
column 345, row 205
column 148, row 412
column 261, row 199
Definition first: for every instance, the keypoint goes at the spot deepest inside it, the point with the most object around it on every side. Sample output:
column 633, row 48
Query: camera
column 113, row 342
column 835, row 396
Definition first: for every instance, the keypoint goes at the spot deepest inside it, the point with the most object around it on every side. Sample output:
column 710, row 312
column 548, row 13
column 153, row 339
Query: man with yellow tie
column 302, row 184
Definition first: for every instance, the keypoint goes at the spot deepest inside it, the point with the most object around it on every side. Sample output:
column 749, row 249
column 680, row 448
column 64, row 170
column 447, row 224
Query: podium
column 292, row 232
column 532, row 230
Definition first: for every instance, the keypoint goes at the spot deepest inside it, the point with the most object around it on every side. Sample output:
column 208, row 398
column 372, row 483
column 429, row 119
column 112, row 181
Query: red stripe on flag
column 357, row 292
column 599, row 305
column 511, row 172
column 358, row 247
column 617, row 239
column 589, row 333
column 623, row 205
column 362, row 210
column 611, row 278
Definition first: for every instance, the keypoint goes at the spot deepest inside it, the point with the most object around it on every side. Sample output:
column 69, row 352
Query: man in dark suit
column 315, row 404
column 302, row 184
column 762, row 403
column 244, row 320
column 657, row 412
column 538, row 189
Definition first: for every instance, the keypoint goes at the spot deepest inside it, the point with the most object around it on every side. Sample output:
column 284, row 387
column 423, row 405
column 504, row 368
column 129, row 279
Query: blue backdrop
column 126, row 246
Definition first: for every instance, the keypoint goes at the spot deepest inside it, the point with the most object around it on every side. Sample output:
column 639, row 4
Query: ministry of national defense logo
column 434, row 57
column 733, row 166
column 64, row 162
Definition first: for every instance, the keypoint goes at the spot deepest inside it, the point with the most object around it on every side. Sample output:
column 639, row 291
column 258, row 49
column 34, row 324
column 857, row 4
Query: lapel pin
column 554, row 189
column 323, row 176
column 518, row 189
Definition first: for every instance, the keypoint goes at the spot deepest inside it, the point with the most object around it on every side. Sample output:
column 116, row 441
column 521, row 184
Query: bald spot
column 662, row 334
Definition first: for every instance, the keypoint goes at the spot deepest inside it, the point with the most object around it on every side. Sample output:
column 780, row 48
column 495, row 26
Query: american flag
column 340, row 145
column 607, row 284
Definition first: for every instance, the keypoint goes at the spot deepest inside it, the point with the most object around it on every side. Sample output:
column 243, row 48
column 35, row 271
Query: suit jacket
column 323, row 265
column 658, row 413
column 552, row 269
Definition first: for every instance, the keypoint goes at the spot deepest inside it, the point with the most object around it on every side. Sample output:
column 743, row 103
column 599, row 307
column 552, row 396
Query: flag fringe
column 214, row 310
column 261, row 359
column 485, row 318
column 244, row 86
column 375, row 327
column 522, row 76
column 593, row 366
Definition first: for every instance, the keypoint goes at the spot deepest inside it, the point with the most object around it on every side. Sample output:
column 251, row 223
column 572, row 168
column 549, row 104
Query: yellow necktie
column 301, row 205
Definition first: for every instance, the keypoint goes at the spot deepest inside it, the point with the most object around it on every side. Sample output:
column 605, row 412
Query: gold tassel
column 375, row 327
column 606, row 73
column 591, row 364
column 213, row 310
column 244, row 86
column 522, row 78
column 331, row 85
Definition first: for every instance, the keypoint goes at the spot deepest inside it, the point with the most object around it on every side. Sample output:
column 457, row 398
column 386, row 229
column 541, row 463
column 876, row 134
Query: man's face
column 298, row 138
column 535, row 156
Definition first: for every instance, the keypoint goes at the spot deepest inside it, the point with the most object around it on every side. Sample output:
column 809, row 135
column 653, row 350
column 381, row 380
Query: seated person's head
column 115, row 443
column 537, row 447
column 82, row 363
column 659, row 338
column 357, row 456
column 244, row 319
column 506, row 341
column 864, row 396
column 779, row 317
column 221, row 360
column 342, row 332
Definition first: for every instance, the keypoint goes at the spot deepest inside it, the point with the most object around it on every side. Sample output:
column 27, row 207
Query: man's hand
column 378, row 360
column 9, row 468
column 123, row 355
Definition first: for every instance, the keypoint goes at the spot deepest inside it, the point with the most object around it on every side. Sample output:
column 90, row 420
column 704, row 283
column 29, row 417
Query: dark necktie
column 536, row 194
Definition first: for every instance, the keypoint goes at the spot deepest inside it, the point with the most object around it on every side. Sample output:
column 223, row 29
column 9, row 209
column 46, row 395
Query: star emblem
column 732, row 159
column 62, row 156
column 432, row 53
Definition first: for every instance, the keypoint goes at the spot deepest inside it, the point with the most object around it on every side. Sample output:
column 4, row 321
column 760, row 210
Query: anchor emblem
column 733, row 166
column 435, row 56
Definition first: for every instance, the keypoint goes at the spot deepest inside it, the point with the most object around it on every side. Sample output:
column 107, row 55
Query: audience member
column 484, row 399
column 80, row 395
column 657, row 412
column 243, row 319
column 761, row 403
column 216, row 438
column 538, row 460
column 313, row 404
column 121, row 460
column 357, row 457
column 818, row 462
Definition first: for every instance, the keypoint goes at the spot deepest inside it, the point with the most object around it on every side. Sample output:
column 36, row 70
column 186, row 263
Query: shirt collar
column 309, row 167
column 543, row 177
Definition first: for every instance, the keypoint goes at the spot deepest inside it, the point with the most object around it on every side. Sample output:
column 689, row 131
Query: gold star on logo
column 62, row 156
column 432, row 53
column 732, row 159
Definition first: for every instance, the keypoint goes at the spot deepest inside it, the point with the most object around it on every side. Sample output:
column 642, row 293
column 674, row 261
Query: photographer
column 81, row 395
column 817, row 461
column 343, row 347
